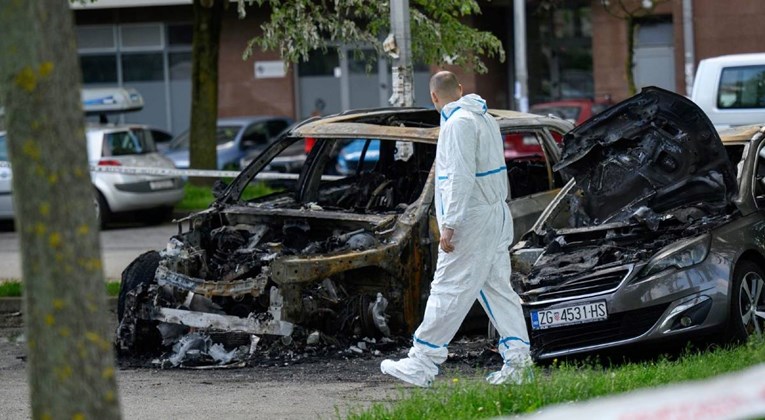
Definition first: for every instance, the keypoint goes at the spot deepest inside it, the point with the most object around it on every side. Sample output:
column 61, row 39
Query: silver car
column 659, row 235
column 133, row 146
column 117, row 145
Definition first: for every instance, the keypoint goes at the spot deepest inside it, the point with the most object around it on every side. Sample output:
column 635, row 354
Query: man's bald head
column 444, row 88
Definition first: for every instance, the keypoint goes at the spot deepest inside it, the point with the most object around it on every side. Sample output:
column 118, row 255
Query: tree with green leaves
column 71, row 365
column 630, row 11
column 440, row 35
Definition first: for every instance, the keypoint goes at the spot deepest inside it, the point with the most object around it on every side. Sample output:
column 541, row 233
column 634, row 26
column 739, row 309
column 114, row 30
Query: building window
column 179, row 34
column 180, row 65
column 142, row 67
column 154, row 58
column 99, row 69
column 141, row 36
column 95, row 38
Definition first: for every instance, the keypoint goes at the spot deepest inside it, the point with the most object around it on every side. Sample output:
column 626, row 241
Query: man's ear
column 461, row 91
column 433, row 97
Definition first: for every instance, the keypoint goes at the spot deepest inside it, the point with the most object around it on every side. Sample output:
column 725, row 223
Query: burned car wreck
column 658, row 235
column 346, row 256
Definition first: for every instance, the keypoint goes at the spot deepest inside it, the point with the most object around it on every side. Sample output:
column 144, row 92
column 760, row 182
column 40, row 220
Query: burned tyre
column 140, row 271
column 747, row 309
column 135, row 335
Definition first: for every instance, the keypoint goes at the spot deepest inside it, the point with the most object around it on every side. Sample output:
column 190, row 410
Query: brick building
column 575, row 49
column 718, row 28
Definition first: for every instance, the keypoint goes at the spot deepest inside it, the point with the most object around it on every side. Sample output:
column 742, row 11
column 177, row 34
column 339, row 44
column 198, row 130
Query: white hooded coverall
column 471, row 188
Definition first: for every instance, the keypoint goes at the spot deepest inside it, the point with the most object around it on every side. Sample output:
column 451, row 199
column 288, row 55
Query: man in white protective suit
column 476, row 232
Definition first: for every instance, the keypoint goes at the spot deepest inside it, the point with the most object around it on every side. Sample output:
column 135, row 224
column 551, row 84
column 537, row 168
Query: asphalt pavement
column 119, row 246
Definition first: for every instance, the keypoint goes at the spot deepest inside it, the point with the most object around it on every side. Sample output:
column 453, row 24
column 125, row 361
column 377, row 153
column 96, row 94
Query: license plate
column 577, row 314
column 530, row 141
column 161, row 185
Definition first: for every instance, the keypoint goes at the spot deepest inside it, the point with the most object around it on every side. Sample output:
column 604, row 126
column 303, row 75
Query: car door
column 530, row 154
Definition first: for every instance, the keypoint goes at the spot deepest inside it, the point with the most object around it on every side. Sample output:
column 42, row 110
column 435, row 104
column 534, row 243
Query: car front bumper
column 126, row 193
column 640, row 310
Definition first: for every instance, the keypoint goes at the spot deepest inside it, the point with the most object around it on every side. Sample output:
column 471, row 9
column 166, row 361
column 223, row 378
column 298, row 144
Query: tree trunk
column 629, row 64
column 208, row 18
column 71, row 365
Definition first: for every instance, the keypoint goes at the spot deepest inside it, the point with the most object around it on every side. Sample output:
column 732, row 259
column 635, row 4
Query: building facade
column 663, row 56
column 574, row 50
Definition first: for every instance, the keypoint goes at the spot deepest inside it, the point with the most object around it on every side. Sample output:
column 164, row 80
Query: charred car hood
column 656, row 151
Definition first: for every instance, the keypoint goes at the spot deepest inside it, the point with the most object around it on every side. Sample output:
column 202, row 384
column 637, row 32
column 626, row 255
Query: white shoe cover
column 408, row 370
column 511, row 375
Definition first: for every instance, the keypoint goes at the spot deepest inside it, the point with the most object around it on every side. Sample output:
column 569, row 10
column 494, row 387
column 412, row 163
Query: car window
column 160, row 136
column 226, row 133
column 3, row 149
column 256, row 134
column 223, row 134
column 528, row 169
column 759, row 178
column 570, row 113
column 742, row 87
column 275, row 127
column 128, row 142
column 388, row 183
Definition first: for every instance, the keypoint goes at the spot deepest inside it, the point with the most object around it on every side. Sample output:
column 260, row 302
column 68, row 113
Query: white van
column 731, row 89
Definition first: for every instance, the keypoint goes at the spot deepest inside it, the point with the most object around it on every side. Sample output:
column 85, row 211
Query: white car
column 729, row 89
column 117, row 145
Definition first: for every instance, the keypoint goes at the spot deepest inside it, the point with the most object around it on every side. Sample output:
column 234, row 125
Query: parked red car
column 526, row 146
column 575, row 110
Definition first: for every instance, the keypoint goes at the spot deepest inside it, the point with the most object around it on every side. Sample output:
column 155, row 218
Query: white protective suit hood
column 468, row 174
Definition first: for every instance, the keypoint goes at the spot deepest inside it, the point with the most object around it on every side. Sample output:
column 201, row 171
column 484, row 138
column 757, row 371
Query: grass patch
column 467, row 398
column 14, row 288
column 200, row 197
column 10, row 289
column 112, row 288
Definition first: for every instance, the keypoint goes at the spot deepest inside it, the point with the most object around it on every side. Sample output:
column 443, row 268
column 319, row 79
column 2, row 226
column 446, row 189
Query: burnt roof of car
column 413, row 124
column 740, row 134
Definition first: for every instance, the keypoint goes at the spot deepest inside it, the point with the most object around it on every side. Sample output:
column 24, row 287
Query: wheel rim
column 752, row 303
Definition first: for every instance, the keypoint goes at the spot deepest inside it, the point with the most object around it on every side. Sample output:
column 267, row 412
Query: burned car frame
column 660, row 233
column 345, row 255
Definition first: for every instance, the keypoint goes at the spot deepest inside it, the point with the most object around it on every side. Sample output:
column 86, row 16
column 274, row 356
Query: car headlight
column 680, row 254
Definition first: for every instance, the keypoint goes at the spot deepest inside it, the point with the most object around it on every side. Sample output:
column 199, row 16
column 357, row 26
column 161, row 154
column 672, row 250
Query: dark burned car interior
column 328, row 255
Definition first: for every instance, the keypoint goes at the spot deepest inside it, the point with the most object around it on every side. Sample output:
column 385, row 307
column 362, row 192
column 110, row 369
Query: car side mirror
column 218, row 188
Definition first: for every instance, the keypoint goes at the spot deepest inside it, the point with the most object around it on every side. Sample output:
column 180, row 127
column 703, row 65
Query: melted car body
column 345, row 255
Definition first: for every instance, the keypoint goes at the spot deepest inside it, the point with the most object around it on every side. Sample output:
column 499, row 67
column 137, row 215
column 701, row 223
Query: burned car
column 344, row 255
column 659, row 234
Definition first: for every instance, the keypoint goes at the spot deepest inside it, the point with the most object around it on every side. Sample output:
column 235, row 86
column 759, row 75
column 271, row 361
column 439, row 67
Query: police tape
column 738, row 395
column 198, row 173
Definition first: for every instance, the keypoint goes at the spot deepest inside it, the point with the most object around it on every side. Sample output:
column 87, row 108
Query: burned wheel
column 140, row 271
column 747, row 309
column 136, row 335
